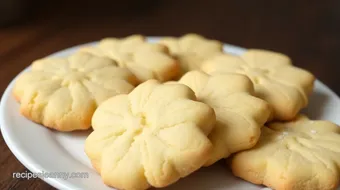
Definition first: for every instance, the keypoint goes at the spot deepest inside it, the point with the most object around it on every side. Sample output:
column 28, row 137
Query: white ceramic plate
column 43, row 150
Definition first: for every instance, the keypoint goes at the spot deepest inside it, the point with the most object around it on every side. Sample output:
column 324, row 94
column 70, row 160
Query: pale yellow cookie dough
column 152, row 137
column 145, row 60
column 192, row 49
column 240, row 116
column 276, row 80
column 297, row 155
column 62, row 93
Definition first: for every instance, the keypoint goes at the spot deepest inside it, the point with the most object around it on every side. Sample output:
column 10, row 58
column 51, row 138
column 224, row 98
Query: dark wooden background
column 307, row 31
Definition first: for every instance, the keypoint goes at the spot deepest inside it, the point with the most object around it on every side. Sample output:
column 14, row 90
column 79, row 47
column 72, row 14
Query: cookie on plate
column 153, row 136
column 285, row 87
column 239, row 115
column 295, row 155
column 192, row 49
column 145, row 60
column 62, row 93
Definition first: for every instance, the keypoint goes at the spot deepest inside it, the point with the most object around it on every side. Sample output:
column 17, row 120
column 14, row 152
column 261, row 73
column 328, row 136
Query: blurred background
column 307, row 31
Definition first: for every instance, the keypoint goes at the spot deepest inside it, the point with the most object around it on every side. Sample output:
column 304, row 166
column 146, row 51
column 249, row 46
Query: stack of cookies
column 160, row 111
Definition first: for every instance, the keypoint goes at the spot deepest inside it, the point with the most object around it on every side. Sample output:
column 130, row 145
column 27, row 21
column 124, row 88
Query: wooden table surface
column 307, row 31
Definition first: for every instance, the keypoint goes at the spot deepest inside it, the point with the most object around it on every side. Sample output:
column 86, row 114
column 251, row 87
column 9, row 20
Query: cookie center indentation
column 255, row 74
column 71, row 77
column 140, row 121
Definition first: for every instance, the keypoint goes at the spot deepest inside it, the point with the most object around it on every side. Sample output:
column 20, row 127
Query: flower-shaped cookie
column 145, row 60
column 276, row 80
column 192, row 49
column 296, row 155
column 62, row 93
column 239, row 115
column 151, row 137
